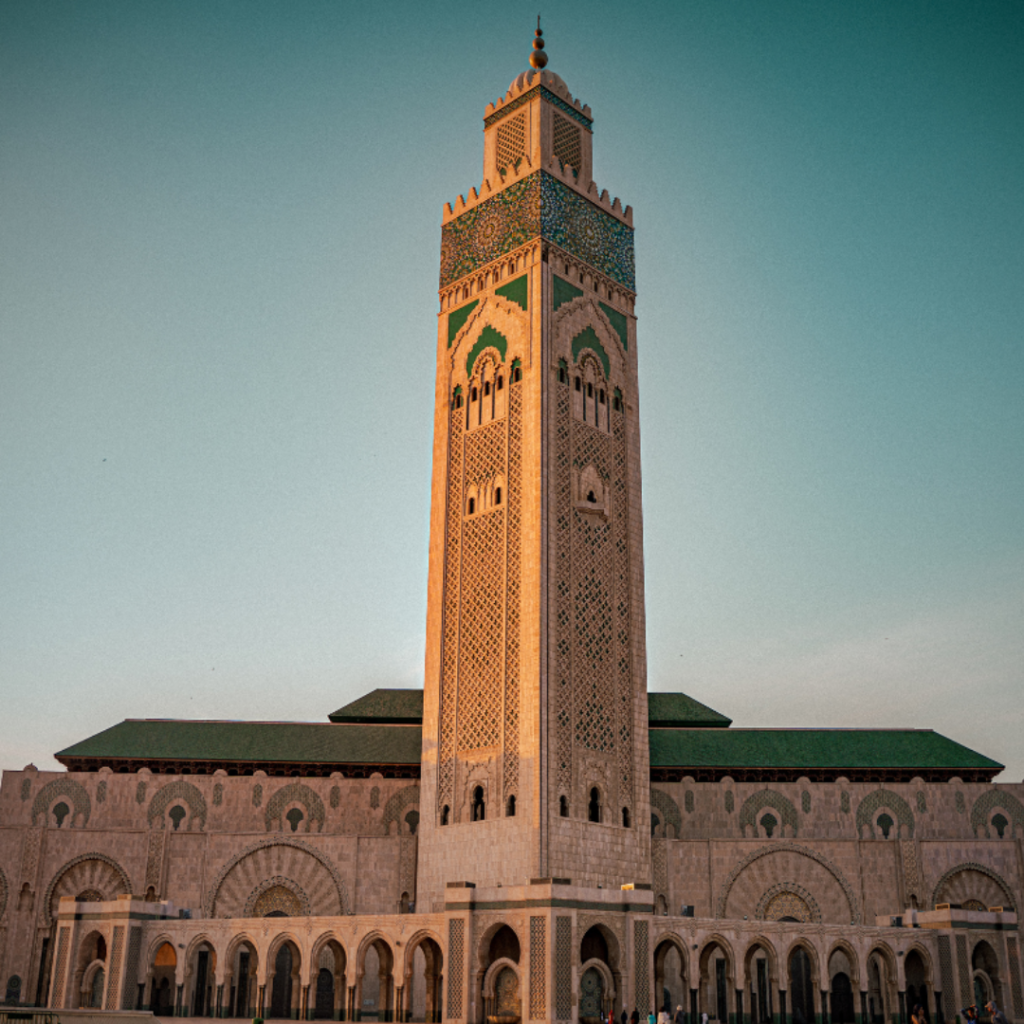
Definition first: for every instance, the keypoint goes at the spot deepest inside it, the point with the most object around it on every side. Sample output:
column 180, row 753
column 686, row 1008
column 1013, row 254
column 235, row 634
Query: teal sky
column 219, row 242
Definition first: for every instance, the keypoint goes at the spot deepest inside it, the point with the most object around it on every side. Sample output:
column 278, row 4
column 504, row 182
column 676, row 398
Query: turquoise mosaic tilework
column 577, row 226
column 537, row 205
column 550, row 97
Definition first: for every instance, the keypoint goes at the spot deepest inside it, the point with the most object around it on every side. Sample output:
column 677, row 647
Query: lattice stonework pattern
column 511, row 140
column 483, row 598
column 946, row 971
column 1013, row 960
column 514, row 562
column 538, row 968
column 539, row 205
column 963, row 969
column 456, row 955
column 642, row 978
column 620, row 513
column 563, row 968
column 60, row 970
column 450, row 643
column 111, row 1001
column 131, row 969
column 567, row 141
column 563, row 514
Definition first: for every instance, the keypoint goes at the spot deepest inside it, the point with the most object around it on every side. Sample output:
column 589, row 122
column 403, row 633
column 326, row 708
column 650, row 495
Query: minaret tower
column 535, row 754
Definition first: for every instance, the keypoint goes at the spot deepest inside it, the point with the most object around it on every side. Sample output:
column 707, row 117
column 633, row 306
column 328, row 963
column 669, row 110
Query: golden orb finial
column 538, row 58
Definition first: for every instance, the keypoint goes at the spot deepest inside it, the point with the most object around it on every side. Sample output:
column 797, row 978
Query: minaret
column 535, row 754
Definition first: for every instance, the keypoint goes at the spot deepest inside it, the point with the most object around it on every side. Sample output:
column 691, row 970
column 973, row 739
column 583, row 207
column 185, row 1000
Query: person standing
column 680, row 1017
column 634, row 1017
column 624, row 1019
column 998, row 1017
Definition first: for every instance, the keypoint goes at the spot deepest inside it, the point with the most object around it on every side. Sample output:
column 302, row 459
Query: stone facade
column 539, row 863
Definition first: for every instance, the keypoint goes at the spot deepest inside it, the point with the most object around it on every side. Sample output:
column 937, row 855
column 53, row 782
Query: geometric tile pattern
column 482, row 586
column 63, row 787
column 131, row 969
column 538, row 967
column 566, row 141
column 511, row 141
column 61, row 967
column 456, row 955
column 755, row 803
column 538, row 206
column 1013, row 961
column 563, row 968
column 642, row 983
column 893, row 802
column 563, row 658
column 116, row 953
column 450, row 628
column 512, row 638
column 623, row 663
column 964, row 970
column 946, row 971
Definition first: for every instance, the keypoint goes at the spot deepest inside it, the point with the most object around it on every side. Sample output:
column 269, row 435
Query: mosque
column 533, row 836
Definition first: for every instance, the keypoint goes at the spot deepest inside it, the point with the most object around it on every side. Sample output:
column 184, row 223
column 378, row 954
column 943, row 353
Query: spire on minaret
column 538, row 58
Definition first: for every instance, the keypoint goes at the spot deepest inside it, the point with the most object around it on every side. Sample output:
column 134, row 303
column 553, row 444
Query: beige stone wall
column 353, row 850
column 827, row 839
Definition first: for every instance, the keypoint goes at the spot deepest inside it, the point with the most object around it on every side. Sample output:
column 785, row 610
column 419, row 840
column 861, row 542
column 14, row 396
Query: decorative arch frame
column 676, row 940
column 851, row 898
column 483, row 945
column 272, row 883
column 163, row 939
column 269, row 967
column 807, row 945
column 929, row 966
column 396, row 804
column 172, row 792
column 243, row 938
column 613, row 940
column 294, row 792
column 210, row 902
column 606, row 975
column 415, row 940
column 125, row 880
column 761, row 942
column 842, row 945
column 372, row 938
column 572, row 319
column 971, row 865
column 791, row 887
column 492, row 972
column 88, row 974
column 991, row 800
column 874, row 802
column 669, row 809
column 201, row 939
column 885, row 951
column 717, row 939
column 65, row 787
column 768, row 798
column 505, row 317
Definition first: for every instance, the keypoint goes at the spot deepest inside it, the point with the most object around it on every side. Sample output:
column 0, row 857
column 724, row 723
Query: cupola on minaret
column 535, row 752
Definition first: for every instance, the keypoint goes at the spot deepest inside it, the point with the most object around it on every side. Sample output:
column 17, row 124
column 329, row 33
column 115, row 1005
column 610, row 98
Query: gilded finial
column 538, row 58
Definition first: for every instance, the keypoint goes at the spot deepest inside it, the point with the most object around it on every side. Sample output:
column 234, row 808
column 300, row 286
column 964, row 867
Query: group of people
column 969, row 1014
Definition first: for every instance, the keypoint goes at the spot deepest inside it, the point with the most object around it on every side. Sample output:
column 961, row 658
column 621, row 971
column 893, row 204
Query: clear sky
column 219, row 241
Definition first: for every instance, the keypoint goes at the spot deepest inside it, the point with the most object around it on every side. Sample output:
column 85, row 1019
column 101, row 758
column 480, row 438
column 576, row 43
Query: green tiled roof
column 677, row 710
column 811, row 748
column 405, row 707
column 394, row 707
column 151, row 739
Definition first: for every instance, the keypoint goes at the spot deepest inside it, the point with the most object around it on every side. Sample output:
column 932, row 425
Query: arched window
column 563, row 372
column 625, row 817
column 444, row 815
column 594, row 807
column 177, row 816
column 497, row 495
column 499, row 383
column 487, row 387
column 563, row 807
column 590, row 390
column 517, row 374
column 473, row 395
column 577, row 384
column 510, row 807
column 60, row 812
column 472, row 505
column 478, row 803
column 600, row 396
